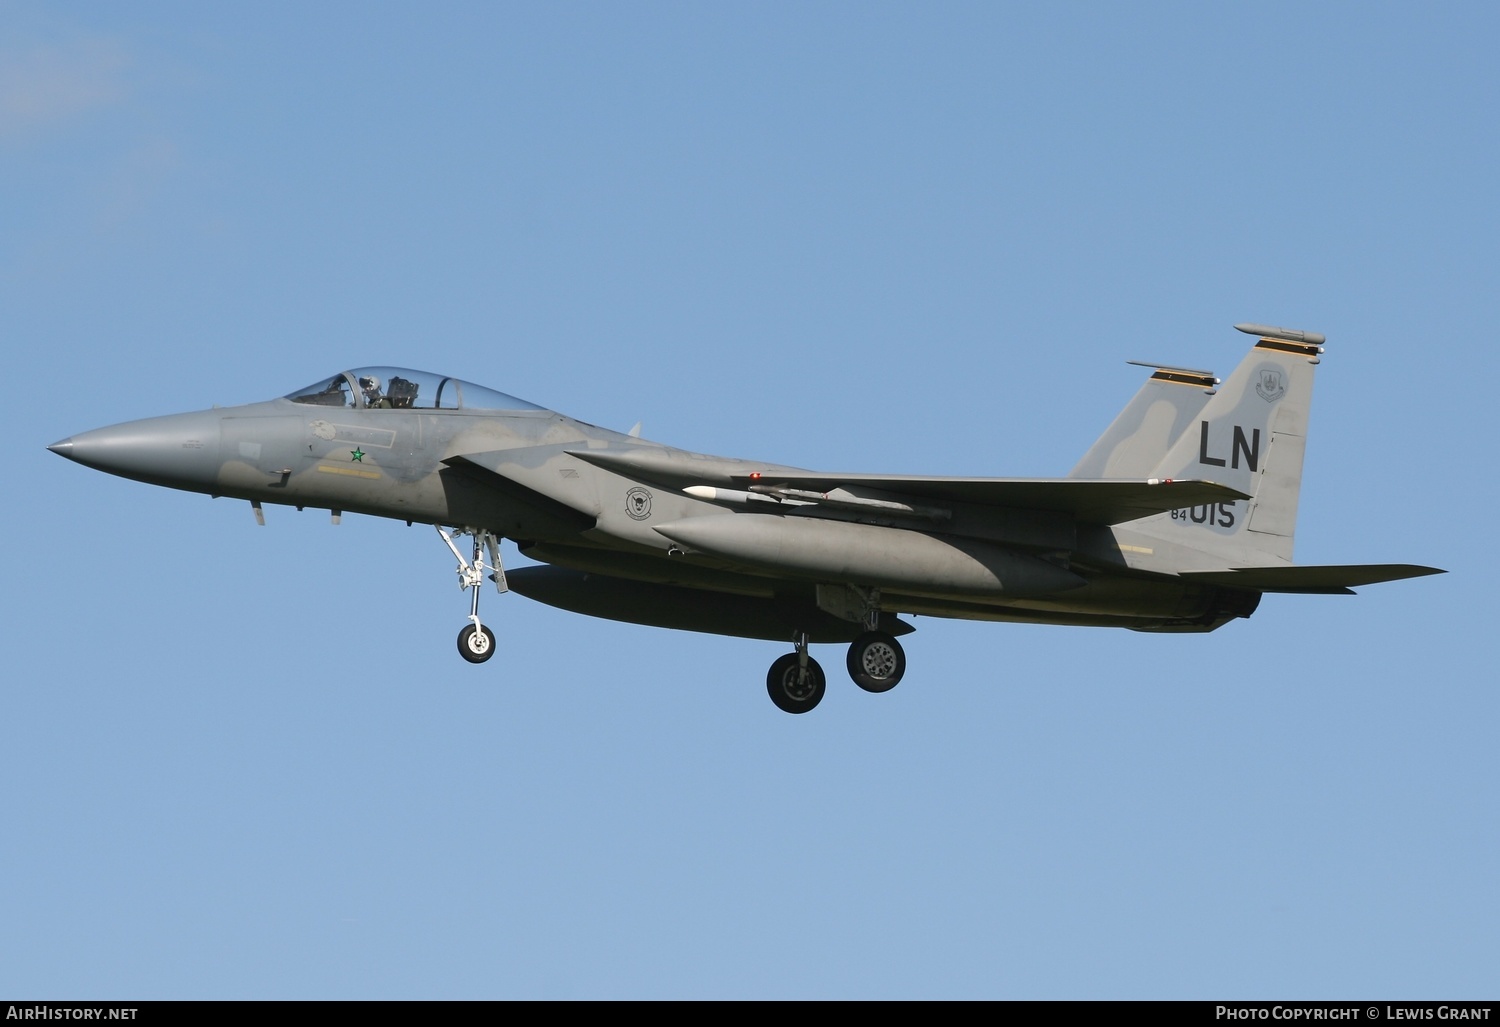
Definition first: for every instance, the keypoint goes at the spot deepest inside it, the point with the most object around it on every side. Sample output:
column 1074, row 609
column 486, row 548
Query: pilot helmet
column 370, row 383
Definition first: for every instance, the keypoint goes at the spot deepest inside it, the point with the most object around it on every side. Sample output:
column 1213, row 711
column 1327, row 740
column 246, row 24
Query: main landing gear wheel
column 876, row 661
column 794, row 688
column 476, row 644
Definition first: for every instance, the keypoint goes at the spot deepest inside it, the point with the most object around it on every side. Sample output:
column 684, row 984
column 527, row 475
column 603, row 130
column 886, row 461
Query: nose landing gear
column 476, row 642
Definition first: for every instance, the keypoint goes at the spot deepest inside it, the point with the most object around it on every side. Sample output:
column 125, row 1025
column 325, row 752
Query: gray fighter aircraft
column 1178, row 519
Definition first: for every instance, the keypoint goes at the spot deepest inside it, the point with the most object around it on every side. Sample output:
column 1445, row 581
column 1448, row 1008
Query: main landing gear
column 876, row 661
column 476, row 642
column 795, row 681
column 796, row 684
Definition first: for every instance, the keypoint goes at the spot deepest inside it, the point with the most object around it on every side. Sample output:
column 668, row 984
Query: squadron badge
column 638, row 503
column 1269, row 385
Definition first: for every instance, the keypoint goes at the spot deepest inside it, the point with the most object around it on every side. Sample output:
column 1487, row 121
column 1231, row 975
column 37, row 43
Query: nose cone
column 180, row 451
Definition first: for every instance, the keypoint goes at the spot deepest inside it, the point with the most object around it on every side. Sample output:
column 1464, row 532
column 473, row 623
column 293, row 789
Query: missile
column 894, row 558
column 734, row 497
column 846, row 500
column 773, row 496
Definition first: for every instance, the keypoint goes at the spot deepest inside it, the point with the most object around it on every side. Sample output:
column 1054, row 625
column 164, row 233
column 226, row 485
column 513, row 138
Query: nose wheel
column 476, row 642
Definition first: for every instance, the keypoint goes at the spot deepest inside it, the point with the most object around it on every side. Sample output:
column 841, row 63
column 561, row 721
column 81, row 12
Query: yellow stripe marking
column 1137, row 549
column 352, row 472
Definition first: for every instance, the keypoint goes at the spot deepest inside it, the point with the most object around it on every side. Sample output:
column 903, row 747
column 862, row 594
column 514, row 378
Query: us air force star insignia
column 638, row 503
column 358, row 455
column 1269, row 386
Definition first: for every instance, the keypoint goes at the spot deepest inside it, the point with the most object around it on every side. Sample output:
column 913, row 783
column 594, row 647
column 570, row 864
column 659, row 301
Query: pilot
column 371, row 388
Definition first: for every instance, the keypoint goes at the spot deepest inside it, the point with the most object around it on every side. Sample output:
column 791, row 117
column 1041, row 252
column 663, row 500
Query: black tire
column 788, row 692
column 876, row 661
column 476, row 647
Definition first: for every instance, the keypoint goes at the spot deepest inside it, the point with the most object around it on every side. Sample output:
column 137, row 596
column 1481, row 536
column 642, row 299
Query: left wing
column 1090, row 501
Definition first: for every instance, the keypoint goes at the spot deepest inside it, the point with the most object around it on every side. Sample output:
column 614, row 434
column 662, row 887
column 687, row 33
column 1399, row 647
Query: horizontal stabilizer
column 1334, row 579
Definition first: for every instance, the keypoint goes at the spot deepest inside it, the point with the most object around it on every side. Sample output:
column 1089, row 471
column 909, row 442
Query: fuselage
column 612, row 513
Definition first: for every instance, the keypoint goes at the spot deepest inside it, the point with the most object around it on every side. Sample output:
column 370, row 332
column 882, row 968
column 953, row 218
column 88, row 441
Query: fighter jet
column 1178, row 519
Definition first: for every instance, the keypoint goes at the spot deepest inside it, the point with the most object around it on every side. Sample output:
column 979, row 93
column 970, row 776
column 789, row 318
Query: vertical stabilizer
column 1250, row 436
column 1141, row 436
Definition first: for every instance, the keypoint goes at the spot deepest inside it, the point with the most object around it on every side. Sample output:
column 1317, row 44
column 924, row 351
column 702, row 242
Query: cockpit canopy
column 400, row 388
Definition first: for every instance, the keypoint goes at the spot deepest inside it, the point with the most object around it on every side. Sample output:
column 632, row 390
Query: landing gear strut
column 476, row 643
column 795, row 681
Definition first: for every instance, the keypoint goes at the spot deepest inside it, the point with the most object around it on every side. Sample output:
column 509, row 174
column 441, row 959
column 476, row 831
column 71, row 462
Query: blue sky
column 246, row 762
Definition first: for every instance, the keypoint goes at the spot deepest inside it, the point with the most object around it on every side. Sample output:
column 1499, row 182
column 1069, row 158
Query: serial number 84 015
column 1219, row 515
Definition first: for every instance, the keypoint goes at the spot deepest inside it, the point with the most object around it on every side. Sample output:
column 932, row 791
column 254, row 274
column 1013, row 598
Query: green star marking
column 358, row 455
